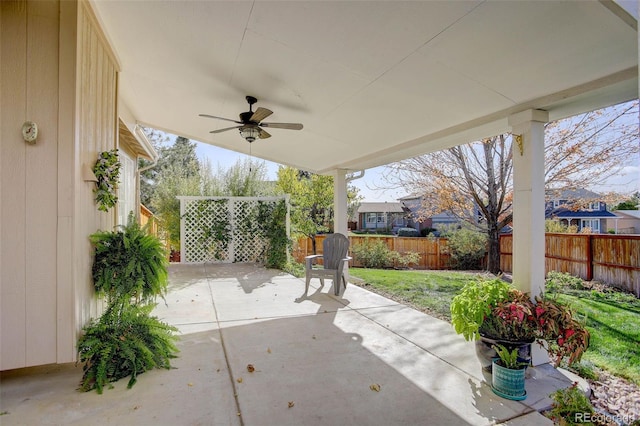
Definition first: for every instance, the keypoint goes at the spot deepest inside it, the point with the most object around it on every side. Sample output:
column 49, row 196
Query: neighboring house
column 379, row 216
column 581, row 208
column 65, row 81
column 413, row 206
column 625, row 222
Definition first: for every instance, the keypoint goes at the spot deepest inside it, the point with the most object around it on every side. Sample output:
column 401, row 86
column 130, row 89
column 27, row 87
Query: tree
column 474, row 181
column 178, row 159
column 311, row 201
column 246, row 178
column 630, row 204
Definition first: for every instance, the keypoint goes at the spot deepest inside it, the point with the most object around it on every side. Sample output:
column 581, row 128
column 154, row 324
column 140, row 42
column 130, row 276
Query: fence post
column 589, row 257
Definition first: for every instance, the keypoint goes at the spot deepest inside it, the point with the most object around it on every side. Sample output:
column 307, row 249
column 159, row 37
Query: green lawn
column 612, row 318
column 428, row 291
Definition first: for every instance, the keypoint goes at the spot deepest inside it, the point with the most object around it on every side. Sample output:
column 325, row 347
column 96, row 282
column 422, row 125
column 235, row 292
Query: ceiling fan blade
column 260, row 114
column 290, row 126
column 220, row 118
column 264, row 134
column 225, row 129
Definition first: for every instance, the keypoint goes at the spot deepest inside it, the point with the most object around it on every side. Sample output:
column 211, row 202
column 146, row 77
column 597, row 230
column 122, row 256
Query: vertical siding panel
column 41, row 182
column 13, row 27
column 96, row 122
column 66, row 161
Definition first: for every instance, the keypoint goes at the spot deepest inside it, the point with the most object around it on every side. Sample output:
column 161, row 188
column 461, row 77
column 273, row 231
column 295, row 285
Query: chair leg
column 306, row 284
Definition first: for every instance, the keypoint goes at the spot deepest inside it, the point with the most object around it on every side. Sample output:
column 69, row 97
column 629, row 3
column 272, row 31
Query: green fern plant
column 130, row 269
column 129, row 263
column 125, row 341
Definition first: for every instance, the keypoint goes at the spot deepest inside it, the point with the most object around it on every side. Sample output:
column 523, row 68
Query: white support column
column 528, row 200
column 340, row 201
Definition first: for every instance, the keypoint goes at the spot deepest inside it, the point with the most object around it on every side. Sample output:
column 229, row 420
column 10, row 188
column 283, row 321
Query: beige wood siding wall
column 96, row 132
column 28, row 182
column 55, row 69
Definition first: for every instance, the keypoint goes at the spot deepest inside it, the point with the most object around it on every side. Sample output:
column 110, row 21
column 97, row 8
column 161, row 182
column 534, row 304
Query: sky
column 369, row 185
column 627, row 182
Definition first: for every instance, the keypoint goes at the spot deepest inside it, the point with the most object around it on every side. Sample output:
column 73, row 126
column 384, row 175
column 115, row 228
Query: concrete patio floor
column 316, row 361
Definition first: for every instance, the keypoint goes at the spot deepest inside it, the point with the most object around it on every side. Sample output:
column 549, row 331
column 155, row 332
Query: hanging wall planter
column 107, row 172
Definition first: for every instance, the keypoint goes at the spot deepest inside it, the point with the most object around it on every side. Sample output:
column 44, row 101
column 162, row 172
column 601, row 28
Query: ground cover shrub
column 557, row 281
column 408, row 232
column 570, row 405
column 467, row 247
column 426, row 231
column 374, row 253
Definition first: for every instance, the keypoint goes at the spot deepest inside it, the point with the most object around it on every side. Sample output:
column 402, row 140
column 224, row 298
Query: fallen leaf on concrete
column 251, row 368
column 291, row 404
column 190, row 384
column 375, row 387
column 313, row 337
column 239, row 380
column 268, row 350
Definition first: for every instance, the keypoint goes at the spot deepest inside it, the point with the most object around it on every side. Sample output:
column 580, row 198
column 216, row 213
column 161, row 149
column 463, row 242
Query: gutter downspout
column 154, row 162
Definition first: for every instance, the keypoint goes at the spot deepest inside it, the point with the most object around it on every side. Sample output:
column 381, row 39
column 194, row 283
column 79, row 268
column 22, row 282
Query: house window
column 594, row 224
column 381, row 218
column 595, row 205
column 556, row 204
column 372, row 218
column 127, row 188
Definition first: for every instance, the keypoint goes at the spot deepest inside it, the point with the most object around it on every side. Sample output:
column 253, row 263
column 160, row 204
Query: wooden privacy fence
column 147, row 216
column 611, row 259
column 433, row 252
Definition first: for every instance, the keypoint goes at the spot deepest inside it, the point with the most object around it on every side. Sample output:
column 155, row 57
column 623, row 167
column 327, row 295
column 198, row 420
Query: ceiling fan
column 251, row 125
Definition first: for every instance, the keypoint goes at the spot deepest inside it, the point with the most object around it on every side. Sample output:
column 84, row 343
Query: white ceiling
column 372, row 82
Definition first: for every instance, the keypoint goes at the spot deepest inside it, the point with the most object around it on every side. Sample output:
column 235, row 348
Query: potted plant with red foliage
column 493, row 312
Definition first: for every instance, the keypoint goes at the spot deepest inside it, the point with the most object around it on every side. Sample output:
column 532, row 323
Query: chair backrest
column 334, row 248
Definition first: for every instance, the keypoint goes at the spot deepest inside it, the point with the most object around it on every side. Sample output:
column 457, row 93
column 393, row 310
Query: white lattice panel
column 218, row 229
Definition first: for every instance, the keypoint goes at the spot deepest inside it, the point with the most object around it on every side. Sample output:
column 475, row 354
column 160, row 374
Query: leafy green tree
column 630, row 204
column 311, row 201
column 246, row 178
column 178, row 159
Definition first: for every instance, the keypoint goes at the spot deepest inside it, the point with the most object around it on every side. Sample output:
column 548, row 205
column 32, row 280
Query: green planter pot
column 508, row 383
column 486, row 354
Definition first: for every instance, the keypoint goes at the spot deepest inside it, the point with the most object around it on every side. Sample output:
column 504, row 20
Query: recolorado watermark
column 600, row 418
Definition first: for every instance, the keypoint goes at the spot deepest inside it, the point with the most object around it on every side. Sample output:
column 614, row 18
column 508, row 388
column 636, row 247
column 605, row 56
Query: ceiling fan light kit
column 251, row 125
column 249, row 133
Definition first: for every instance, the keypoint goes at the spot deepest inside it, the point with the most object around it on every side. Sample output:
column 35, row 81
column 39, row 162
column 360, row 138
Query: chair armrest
column 310, row 260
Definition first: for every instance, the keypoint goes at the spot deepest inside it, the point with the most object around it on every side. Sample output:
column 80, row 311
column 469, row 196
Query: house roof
column 372, row 82
column 582, row 214
column 633, row 214
column 571, row 194
column 387, row 207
